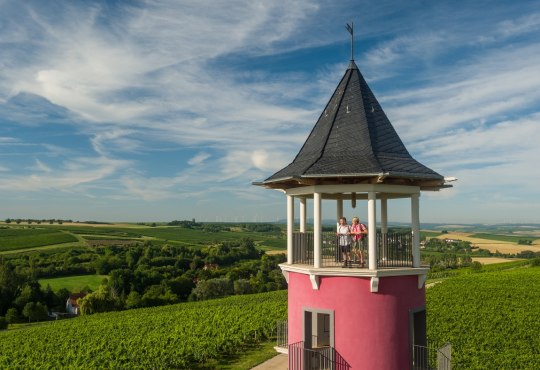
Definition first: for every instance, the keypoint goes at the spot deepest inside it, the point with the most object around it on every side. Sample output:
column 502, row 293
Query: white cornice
column 354, row 272
column 358, row 188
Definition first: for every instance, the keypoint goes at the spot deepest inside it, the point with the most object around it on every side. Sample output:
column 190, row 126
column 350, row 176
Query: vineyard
column 183, row 336
column 491, row 319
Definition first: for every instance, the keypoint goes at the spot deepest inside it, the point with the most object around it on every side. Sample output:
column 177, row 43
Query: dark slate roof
column 353, row 139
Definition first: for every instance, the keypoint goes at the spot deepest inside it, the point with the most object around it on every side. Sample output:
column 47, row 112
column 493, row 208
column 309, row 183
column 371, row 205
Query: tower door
column 321, row 330
column 318, row 328
column 418, row 327
column 418, row 339
column 308, row 329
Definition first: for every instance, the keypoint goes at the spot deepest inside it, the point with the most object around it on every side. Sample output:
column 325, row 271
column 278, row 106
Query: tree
column 63, row 295
column 31, row 292
column 35, row 311
column 242, row 286
column 9, row 284
column 122, row 280
column 102, row 300
column 213, row 288
column 181, row 286
column 3, row 323
column 157, row 295
column 133, row 300
column 12, row 315
column 476, row 266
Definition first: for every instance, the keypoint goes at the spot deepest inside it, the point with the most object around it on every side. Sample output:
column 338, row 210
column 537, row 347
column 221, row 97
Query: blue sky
column 162, row 110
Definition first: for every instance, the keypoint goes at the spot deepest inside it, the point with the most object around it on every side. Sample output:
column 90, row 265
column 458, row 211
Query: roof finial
column 350, row 28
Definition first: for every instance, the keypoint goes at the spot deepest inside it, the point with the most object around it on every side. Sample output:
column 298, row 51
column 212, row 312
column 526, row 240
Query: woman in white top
column 344, row 241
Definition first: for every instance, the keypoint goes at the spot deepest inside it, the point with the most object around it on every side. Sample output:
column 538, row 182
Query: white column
column 290, row 228
column 339, row 210
column 384, row 227
column 384, row 215
column 302, row 215
column 317, row 229
column 415, row 216
column 372, row 230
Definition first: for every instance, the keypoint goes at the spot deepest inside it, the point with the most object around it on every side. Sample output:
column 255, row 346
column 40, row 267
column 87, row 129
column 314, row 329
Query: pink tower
column 355, row 317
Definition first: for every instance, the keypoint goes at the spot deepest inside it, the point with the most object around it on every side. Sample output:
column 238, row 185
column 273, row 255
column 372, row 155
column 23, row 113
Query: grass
column 74, row 283
column 26, row 325
column 247, row 359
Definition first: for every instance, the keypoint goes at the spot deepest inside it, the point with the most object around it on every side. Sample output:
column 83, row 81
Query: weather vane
column 350, row 28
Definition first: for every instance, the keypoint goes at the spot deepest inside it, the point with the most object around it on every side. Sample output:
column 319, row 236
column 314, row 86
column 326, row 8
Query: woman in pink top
column 359, row 233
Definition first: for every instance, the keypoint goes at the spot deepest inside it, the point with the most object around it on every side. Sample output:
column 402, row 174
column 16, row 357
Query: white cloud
column 198, row 159
column 498, row 84
column 40, row 166
column 74, row 173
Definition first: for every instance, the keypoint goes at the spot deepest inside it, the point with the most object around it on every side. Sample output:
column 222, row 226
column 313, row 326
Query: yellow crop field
column 492, row 245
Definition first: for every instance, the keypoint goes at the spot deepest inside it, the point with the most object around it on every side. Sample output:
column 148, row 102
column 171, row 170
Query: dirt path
column 278, row 362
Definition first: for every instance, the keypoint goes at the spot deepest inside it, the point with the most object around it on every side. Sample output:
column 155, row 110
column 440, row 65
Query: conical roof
column 353, row 142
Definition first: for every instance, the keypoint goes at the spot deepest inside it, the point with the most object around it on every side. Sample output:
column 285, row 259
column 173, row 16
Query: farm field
column 493, row 243
column 26, row 238
column 74, row 283
column 493, row 260
column 20, row 238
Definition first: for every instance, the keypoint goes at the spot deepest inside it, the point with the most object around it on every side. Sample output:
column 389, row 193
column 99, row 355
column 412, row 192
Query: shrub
column 476, row 266
column 3, row 323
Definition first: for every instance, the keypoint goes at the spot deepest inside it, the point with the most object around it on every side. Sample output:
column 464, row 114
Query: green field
column 25, row 238
column 74, row 283
column 17, row 239
column 429, row 234
column 183, row 336
column 502, row 238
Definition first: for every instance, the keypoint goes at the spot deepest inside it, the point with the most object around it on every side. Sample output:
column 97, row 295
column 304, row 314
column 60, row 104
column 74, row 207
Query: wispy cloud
column 199, row 158
column 94, row 95
column 69, row 176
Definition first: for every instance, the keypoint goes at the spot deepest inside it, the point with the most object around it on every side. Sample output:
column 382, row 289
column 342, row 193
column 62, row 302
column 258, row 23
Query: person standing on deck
column 359, row 232
column 344, row 241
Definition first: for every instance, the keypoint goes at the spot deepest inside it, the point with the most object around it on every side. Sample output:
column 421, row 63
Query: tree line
column 142, row 275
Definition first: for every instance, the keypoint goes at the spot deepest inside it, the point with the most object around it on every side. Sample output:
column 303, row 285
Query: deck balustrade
column 393, row 250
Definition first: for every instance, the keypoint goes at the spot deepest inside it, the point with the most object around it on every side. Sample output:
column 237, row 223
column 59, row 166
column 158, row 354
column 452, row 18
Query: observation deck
column 393, row 257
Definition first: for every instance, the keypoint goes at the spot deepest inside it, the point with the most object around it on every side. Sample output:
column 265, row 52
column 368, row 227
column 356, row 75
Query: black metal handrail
column 431, row 358
column 282, row 333
column 326, row 358
column 393, row 250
